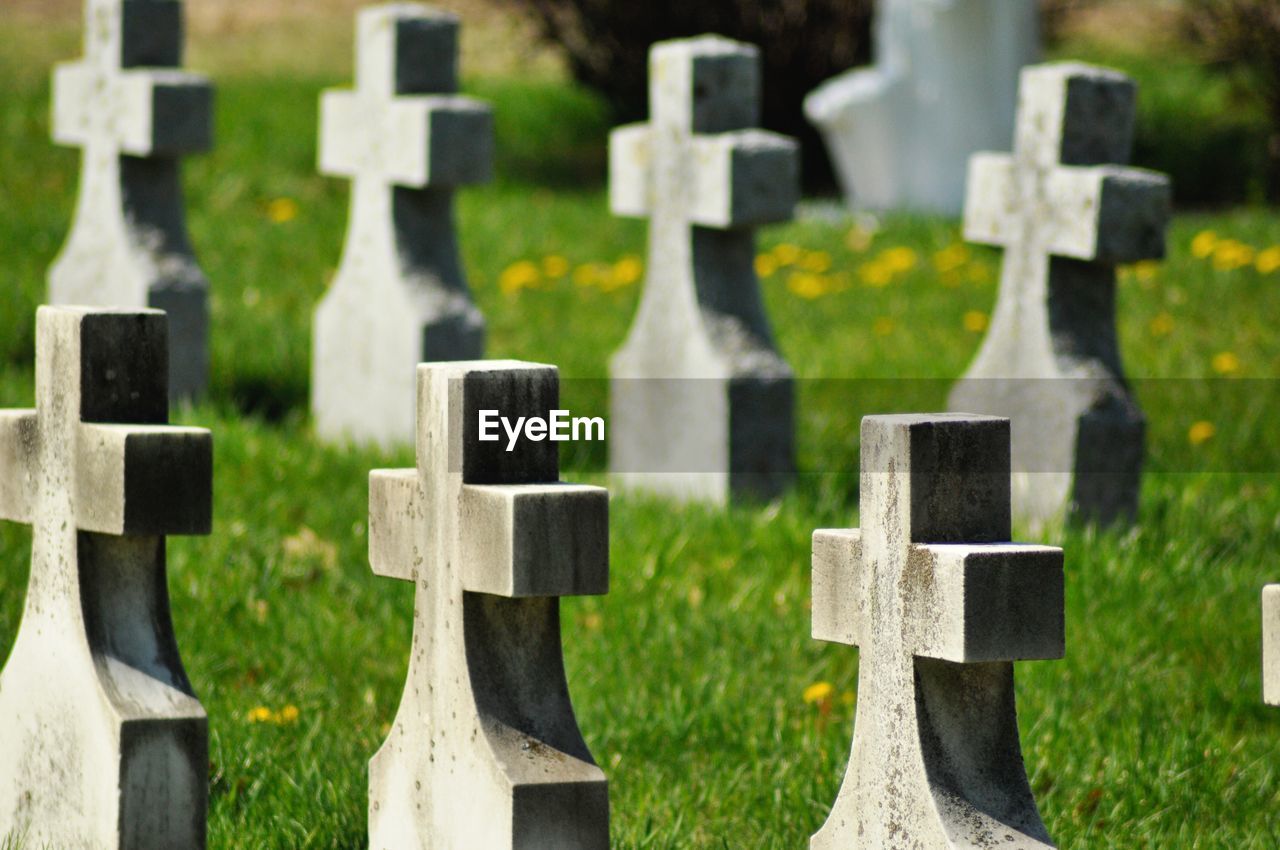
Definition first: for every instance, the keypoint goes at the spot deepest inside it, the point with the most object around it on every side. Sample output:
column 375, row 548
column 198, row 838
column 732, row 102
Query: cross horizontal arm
column 154, row 112
column 841, row 587
column 985, row 603
column 744, row 179
column 394, row 514
column 144, row 480
column 18, row 435
column 528, row 540
column 412, row 140
column 991, row 200
column 630, row 170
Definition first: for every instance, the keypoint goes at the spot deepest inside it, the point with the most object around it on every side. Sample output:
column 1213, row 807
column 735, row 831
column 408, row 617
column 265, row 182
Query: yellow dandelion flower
column 593, row 621
column 806, row 284
column 259, row 714
column 875, row 273
column 1203, row 244
column 883, row 326
column 1230, row 255
column 817, row 262
column 848, row 698
column 1226, row 363
column 787, row 254
column 282, row 210
column 766, row 265
column 951, row 258
column 288, row 714
column 975, row 321
column 589, row 274
column 1145, row 270
column 555, row 266
column 518, row 276
column 979, row 273
column 900, row 259
column 1269, row 260
column 627, row 270
column 818, row 692
column 1161, row 324
column 1201, row 433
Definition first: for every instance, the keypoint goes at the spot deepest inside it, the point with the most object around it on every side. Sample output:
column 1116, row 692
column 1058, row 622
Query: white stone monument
column 701, row 401
column 105, row 744
column 485, row 751
column 943, row 87
column 400, row 296
column 1065, row 216
column 1271, row 644
column 134, row 115
column 939, row 605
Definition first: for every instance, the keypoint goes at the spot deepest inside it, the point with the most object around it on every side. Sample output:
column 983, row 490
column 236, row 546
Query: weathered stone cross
column 485, row 750
column 1051, row 361
column 939, row 606
column 701, row 401
column 400, row 296
column 104, row 740
column 1271, row 644
column 134, row 116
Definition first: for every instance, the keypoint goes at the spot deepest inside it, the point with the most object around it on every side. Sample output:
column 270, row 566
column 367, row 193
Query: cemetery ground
column 718, row 721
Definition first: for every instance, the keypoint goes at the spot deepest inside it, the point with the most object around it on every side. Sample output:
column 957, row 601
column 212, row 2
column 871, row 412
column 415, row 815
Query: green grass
column 688, row 676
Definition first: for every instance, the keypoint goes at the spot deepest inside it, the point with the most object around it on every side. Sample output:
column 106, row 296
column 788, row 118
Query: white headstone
column 1271, row 644
column 485, row 751
column 701, row 401
column 943, row 87
column 133, row 115
column 105, row 744
column 400, row 296
column 939, row 606
column 1065, row 217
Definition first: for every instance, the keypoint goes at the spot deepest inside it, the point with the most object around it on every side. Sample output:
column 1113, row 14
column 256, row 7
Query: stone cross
column 400, row 295
column 133, row 115
column 701, row 401
column 485, row 750
column 1271, row 644
column 1051, row 361
column 104, row 742
column 939, row 605
column 943, row 87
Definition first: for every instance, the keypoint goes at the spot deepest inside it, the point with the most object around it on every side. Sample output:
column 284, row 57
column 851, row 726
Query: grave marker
column 701, row 401
column 1051, row 361
column 400, row 296
column 134, row 115
column 485, row 750
column 939, row 606
column 1271, row 644
column 943, row 87
column 105, row 742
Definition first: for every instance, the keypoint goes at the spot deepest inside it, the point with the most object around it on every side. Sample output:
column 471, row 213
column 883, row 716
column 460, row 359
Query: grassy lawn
column 688, row 678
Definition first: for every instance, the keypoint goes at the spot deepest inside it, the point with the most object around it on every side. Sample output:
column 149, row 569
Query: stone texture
column 1271, row 644
column 943, row 87
column 701, row 401
column 133, row 115
column 1051, row 360
column 485, row 750
column 400, row 296
column 105, row 742
column 939, row 606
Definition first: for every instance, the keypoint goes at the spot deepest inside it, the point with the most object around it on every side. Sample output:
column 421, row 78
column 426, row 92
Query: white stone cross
column 939, row 605
column 1051, row 361
column 400, row 296
column 701, row 401
column 1271, row 644
column 133, row 115
column 485, row 750
column 105, row 744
